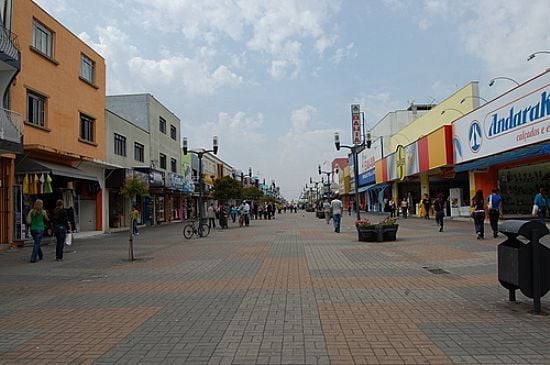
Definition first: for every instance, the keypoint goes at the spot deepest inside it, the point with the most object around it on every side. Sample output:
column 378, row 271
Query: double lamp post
column 199, row 154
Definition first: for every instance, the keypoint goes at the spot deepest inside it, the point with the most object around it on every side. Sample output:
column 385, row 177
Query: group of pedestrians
column 37, row 219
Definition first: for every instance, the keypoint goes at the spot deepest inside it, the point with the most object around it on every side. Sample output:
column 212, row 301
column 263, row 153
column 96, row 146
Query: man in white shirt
column 246, row 212
column 336, row 207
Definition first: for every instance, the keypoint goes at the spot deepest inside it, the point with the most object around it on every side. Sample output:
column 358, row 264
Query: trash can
column 524, row 266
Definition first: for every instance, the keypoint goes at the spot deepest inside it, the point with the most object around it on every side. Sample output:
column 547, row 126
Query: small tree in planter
column 386, row 230
column 133, row 187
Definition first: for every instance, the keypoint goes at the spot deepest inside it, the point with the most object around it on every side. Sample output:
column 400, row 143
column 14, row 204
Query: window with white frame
column 42, row 38
column 87, row 68
column 36, row 109
column 86, row 128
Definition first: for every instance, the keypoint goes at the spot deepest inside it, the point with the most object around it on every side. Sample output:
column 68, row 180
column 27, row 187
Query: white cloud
column 194, row 75
column 276, row 28
column 342, row 53
column 504, row 45
column 300, row 118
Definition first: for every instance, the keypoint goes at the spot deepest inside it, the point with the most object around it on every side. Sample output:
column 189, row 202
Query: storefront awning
column 31, row 166
column 377, row 186
column 518, row 154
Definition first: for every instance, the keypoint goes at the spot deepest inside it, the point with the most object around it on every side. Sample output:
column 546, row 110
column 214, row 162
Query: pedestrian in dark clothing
column 60, row 221
column 426, row 204
column 494, row 205
column 478, row 205
column 439, row 207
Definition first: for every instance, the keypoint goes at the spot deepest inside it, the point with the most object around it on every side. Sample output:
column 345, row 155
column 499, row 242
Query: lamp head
column 215, row 144
column 310, row 180
column 185, row 145
column 369, row 140
column 492, row 82
column 531, row 57
column 319, row 169
column 337, row 141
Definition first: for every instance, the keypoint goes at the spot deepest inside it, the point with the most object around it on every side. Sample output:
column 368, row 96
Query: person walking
column 478, row 205
column 336, row 208
column 211, row 215
column 404, row 207
column 426, row 205
column 541, row 201
column 37, row 219
column 326, row 210
column 439, row 208
column 60, row 222
column 134, row 215
column 233, row 212
column 392, row 207
column 494, row 203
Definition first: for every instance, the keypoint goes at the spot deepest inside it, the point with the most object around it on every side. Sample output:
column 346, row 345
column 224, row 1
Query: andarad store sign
column 515, row 119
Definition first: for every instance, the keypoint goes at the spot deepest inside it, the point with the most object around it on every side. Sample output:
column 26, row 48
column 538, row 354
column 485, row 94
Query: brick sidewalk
column 284, row 291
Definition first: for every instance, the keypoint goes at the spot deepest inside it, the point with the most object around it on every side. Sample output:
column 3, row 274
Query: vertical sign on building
column 355, row 124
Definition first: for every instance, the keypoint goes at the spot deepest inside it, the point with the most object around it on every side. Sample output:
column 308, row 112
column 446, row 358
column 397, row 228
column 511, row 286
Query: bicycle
column 200, row 229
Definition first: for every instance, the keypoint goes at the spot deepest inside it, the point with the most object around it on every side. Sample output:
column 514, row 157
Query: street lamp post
column 354, row 151
column 492, row 81
column 328, row 173
column 199, row 155
column 533, row 55
column 249, row 176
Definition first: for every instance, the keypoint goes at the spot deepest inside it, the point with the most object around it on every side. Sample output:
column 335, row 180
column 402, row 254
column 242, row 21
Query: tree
column 252, row 193
column 133, row 187
column 227, row 188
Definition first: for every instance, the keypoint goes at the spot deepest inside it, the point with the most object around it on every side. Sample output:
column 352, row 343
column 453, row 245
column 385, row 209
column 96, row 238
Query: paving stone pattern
column 283, row 291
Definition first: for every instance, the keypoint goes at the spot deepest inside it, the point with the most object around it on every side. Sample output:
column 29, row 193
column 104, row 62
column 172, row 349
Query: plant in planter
column 385, row 230
column 366, row 230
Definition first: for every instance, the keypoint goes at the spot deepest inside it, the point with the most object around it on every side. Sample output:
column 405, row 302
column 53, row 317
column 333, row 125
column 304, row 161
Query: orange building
column 11, row 142
column 60, row 93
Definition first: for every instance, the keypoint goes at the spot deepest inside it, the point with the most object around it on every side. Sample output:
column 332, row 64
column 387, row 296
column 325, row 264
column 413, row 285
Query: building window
column 139, row 152
column 36, row 109
column 173, row 133
column 162, row 125
column 162, row 158
column 42, row 39
column 87, row 128
column 173, row 165
column 87, row 69
column 120, row 145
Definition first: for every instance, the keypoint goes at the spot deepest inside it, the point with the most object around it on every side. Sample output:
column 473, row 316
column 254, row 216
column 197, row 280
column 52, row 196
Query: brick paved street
column 284, row 291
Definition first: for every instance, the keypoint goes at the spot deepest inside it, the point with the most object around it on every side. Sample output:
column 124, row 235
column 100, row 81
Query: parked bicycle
column 196, row 228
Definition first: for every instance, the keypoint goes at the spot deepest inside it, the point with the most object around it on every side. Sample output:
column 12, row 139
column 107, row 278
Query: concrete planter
column 377, row 233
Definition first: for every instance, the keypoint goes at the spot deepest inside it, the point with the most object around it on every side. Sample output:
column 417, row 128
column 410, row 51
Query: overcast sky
column 274, row 79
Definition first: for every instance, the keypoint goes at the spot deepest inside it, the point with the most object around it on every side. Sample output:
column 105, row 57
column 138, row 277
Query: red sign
column 355, row 124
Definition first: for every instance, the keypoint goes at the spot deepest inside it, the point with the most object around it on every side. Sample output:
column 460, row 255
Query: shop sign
column 156, row 178
column 400, row 162
column 391, row 163
column 411, row 159
column 175, row 181
column 367, row 178
column 368, row 156
column 143, row 177
column 518, row 118
column 355, row 123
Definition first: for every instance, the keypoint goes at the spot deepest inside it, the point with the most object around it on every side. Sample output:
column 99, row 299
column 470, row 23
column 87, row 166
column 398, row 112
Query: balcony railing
column 8, row 44
column 11, row 125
